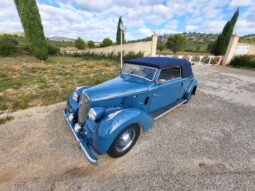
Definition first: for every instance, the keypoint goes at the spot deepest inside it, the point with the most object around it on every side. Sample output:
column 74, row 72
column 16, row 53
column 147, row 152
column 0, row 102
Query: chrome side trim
column 167, row 111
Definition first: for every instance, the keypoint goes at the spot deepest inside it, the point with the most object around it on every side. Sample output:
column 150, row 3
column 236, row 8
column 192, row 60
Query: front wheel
column 124, row 142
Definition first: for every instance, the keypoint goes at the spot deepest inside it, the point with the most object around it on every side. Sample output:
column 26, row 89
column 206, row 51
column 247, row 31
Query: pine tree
column 33, row 29
column 221, row 44
column 119, row 32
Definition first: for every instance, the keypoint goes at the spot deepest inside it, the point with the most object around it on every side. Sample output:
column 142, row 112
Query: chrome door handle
column 155, row 95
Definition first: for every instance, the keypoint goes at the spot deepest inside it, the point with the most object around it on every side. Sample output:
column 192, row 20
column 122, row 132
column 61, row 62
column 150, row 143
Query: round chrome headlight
column 75, row 97
column 96, row 113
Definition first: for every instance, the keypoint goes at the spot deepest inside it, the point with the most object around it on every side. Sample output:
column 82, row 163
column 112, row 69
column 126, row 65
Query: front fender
column 109, row 129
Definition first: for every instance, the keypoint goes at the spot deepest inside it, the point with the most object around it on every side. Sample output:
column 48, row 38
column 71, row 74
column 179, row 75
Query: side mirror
column 161, row 81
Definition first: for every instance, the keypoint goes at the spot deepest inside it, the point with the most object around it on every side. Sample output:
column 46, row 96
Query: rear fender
column 109, row 128
column 192, row 85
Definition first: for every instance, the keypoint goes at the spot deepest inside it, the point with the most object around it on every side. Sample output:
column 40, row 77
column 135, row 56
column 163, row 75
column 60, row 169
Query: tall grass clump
column 110, row 56
column 247, row 61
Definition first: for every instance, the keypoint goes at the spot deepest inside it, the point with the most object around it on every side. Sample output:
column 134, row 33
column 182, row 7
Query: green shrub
column 91, row 44
column 110, row 56
column 8, row 46
column 52, row 50
column 132, row 54
column 243, row 61
column 79, row 43
column 106, row 42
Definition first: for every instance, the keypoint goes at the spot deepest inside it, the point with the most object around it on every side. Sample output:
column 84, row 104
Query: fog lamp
column 77, row 127
column 70, row 117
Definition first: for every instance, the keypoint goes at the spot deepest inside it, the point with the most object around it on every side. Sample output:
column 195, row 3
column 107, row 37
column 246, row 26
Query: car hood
column 117, row 87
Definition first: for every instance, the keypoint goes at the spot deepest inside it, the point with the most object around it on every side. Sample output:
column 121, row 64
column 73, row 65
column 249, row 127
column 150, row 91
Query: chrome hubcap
column 125, row 140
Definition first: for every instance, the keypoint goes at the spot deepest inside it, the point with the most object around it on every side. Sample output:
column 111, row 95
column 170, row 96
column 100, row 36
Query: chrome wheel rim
column 125, row 140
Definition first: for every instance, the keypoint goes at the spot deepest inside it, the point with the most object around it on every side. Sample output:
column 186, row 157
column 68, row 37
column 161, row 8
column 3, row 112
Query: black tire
column 113, row 150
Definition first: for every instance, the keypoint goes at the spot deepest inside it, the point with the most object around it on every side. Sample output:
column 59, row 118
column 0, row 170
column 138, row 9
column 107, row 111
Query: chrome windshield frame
column 156, row 71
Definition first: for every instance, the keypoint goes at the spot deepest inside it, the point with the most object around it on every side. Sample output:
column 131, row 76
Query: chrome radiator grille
column 83, row 109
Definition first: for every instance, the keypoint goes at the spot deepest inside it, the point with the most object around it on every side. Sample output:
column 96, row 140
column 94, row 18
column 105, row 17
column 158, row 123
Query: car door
column 166, row 90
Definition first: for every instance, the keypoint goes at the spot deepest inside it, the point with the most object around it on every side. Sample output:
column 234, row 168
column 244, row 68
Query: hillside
column 196, row 42
column 248, row 39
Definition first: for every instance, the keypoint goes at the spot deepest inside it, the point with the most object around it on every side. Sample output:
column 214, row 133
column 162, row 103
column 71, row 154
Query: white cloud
column 98, row 19
column 190, row 28
column 240, row 3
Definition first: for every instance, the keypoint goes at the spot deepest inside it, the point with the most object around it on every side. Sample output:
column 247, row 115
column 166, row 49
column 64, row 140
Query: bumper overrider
column 90, row 156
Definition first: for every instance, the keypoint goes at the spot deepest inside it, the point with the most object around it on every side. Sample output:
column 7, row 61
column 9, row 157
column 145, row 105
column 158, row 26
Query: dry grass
column 27, row 82
column 5, row 119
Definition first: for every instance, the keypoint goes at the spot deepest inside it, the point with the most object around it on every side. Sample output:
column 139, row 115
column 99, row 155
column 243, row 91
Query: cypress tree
column 221, row 44
column 33, row 29
column 119, row 32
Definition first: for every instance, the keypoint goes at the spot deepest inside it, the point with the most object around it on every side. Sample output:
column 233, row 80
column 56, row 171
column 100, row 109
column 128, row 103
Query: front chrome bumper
column 90, row 156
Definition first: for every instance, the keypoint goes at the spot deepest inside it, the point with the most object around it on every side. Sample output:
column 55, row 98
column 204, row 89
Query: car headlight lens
column 75, row 97
column 96, row 113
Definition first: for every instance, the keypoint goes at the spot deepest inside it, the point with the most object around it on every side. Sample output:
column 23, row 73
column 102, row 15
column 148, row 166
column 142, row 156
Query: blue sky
column 95, row 20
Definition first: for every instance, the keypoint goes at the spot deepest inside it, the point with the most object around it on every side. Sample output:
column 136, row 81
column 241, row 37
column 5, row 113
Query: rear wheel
column 124, row 142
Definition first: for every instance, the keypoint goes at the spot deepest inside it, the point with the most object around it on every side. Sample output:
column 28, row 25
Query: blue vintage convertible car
column 108, row 117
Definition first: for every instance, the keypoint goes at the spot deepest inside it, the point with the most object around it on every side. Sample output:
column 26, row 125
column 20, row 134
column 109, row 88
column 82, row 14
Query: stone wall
column 237, row 48
column 147, row 47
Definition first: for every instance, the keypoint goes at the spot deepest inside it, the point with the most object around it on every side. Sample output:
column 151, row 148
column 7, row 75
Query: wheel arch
column 191, row 90
column 108, row 130
column 194, row 90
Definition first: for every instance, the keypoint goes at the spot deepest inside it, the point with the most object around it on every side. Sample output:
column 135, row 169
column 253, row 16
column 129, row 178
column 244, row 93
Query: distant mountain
column 61, row 38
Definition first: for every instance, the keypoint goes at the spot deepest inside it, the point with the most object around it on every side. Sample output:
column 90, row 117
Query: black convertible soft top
column 164, row 62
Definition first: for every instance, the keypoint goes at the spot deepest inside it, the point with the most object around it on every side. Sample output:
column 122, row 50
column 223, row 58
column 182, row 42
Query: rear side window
column 170, row 73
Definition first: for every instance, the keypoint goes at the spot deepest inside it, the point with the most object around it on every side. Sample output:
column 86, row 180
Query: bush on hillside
column 8, row 46
column 52, row 50
column 91, row 44
column 106, row 42
column 79, row 43
column 243, row 61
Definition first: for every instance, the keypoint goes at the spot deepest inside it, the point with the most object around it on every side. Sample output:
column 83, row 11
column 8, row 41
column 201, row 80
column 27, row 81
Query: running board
column 163, row 112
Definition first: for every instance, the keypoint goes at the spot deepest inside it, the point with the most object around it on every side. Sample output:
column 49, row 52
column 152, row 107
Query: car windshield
column 139, row 70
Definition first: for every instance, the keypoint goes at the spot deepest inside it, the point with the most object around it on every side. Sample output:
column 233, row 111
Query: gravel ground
column 207, row 144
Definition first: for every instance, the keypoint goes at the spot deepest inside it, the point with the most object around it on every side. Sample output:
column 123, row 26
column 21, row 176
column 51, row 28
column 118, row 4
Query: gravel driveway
column 207, row 144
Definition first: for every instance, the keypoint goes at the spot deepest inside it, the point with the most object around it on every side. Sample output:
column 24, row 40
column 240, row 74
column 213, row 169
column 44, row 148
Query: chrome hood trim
column 115, row 88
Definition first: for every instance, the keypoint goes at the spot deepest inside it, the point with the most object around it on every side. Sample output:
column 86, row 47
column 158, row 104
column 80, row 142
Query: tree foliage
column 91, row 44
column 33, row 29
column 8, row 46
column 160, row 46
column 118, row 35
column 176, row 42
column 106, row 42
column 79, row 43
column 52, row 50
column 221, row 44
